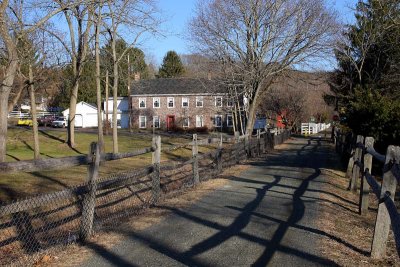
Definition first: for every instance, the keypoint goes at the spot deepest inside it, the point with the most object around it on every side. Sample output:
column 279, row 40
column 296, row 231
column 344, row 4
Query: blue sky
column 178, row 12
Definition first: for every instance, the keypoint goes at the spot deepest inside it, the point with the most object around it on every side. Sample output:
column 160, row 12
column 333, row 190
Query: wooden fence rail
column 76, row 212
column 360, row 168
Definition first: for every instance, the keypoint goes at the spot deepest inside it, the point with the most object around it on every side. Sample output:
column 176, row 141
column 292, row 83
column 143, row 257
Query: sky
column 177, row 13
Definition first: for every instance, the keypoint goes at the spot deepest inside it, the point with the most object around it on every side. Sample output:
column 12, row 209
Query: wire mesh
column 31, row 226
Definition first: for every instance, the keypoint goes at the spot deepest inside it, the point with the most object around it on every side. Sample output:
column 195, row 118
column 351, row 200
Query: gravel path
column 264, row 216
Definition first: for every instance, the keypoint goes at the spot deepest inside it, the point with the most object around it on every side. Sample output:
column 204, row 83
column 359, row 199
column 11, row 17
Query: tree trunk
column 8, row 78
column 129, row 92
column 252, row 113
column 5, row 90
column 72, row 113
column 4, row 94
column 240, row 118
column 15, row 98
column 107, row 126
column 98, row 86
column 234, row 119
column 115, row 95
column 36, row 149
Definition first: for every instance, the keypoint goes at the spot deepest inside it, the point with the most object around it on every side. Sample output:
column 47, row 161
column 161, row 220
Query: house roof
column 168, row 86
column 83, row 103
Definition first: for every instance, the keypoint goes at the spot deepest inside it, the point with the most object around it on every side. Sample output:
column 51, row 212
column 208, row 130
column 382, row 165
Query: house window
column 218, row 121
column 156, row 122
column 229, row 120
column 199, row 101
column 142, row 102
column 171, row 102
column 218, row 101
column 142, row 122
column 185, row 102
column 185, row 123
column 199, row 121
column 229, row 103
column 156, row 102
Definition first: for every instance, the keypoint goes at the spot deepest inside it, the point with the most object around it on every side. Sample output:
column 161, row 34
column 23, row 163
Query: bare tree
column 79, row 19
column 297, row 96
column 137, row 17
column 10, row 33
column 36, row 149
column 258, row 39
column 98, row 23
column 288, row 103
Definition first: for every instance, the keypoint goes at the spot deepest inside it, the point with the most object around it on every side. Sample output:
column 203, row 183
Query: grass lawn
column 52, row 145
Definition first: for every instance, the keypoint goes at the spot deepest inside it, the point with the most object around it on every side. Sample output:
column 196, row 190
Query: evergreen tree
column 136, row 61
column 366, row 83
column 172, row 66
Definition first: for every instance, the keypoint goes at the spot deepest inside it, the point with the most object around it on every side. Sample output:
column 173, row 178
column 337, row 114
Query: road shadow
column 13, row 157
column 308, row 157
column 108, row 255
column 53, row 137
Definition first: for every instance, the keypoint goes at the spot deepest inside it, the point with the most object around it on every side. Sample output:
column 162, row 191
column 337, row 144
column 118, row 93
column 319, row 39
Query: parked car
column 46, row 120
column 59, row 122
column 25, row 122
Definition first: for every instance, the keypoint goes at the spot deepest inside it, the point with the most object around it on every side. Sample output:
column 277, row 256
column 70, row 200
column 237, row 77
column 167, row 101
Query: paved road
column 264, row 216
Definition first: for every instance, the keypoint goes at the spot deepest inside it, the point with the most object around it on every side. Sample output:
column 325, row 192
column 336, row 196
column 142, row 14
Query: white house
column 122, row 111
column 86, row 115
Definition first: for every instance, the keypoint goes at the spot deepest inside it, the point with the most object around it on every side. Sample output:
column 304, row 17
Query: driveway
column 264, row 216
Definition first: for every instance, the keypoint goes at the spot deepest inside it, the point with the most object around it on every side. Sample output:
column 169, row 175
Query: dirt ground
column 349, row 243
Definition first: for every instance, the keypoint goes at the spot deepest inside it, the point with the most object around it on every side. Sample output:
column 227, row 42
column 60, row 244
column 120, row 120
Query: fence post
column 259, row 142
column 156, row 158
column 89, row 199
column 247, row 145
column 195, row 164
column 337, row 139
column 264, row 147
column 219, row 156
column 342, row 143
column 350, row 165
column 270, row 141
column 364, row 190
column 237, row 147
column 356, row 168
column 388, row 189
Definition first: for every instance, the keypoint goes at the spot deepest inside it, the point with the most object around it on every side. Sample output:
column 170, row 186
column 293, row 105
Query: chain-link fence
column 32, row 226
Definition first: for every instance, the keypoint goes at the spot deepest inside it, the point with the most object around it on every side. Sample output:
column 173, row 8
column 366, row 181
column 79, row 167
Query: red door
column 170, row 122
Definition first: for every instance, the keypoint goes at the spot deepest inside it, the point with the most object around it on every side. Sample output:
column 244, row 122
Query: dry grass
column 19, row 147
column 75, row 254
column 353, row 232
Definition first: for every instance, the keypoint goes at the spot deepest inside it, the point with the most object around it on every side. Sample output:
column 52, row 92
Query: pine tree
column 366, row 83
column 172, row 66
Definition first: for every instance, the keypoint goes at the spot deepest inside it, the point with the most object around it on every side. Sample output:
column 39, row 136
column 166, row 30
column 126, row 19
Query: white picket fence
column 21, row 115
column 313, row 128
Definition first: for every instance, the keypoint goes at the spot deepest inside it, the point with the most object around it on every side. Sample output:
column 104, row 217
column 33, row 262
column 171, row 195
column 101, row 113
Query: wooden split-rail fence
column 28, row 227
column 359, row 169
